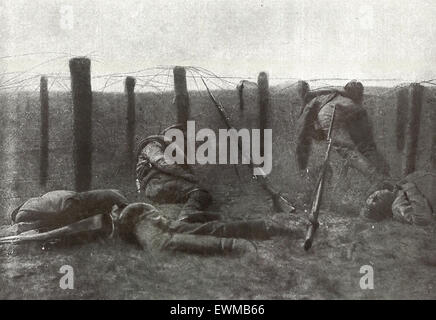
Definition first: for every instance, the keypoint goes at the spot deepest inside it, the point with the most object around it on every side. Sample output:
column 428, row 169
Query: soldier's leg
column 346, row 148
column 258, row 229
column 201, row 244
column 356, row 160
column 198, row 200
column 167, row 189
column 151, row 231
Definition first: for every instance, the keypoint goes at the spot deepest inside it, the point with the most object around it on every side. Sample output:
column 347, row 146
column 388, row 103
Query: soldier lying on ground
column 61, row 214
column 412, row 201
column 352, row 136
column 147, row 226
column 170, row 183
column 60, row 208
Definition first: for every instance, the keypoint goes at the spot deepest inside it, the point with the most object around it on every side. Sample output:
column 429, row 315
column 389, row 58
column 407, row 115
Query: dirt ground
column 403, row 259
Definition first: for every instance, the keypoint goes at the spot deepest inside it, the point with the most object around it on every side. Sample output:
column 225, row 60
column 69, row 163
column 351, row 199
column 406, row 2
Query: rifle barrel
column 265, row 183
column 314, row 212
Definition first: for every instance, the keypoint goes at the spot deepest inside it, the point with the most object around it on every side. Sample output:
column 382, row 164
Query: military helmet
column 354, row 90
column 180, row 126
column 378, row 206
column 132, row 214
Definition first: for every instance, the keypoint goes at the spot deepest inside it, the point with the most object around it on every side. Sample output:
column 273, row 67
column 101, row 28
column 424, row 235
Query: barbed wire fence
column 158, row 80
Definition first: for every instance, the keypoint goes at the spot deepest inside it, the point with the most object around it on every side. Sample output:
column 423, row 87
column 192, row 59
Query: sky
column 304, row 39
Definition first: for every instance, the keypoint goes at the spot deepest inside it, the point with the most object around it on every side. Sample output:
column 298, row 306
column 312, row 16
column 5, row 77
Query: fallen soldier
column 170, row 183
column 61, row 214
column 412, row 201
column 61, row 208
column 155, row 232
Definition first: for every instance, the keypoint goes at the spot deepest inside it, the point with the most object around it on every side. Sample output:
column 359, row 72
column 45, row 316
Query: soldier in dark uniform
column 155, row 232
column 60, row 208
column 63, row 214
column 352, row 135
column 170, row 183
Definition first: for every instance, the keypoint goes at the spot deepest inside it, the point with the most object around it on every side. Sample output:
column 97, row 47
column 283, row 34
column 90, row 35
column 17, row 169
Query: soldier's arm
column 311, row 94
column 156, row 157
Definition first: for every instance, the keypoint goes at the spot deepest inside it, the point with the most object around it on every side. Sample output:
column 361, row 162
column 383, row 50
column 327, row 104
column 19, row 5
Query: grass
column 402, row 256
column 112, row 269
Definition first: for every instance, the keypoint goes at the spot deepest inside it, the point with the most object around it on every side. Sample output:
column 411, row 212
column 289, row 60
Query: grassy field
column 403, row 257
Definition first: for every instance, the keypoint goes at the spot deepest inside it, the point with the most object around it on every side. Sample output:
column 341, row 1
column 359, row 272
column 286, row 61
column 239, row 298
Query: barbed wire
column 156, row 79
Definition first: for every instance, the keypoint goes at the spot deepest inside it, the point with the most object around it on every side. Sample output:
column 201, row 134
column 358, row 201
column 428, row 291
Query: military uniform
column 415, row 200
column 352, row 135
column 412, row 202
column 156, row 232
column 170, row 183
column 60, row 208
column 140, row 222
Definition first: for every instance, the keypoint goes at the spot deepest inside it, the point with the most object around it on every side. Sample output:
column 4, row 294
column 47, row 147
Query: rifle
column 263, row 179
column 91, row 224
column 314, row 212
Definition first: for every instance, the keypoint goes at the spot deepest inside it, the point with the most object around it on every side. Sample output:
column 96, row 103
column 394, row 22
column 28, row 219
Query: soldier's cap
column 180, row 126
column 354, row 84
column 354, row 89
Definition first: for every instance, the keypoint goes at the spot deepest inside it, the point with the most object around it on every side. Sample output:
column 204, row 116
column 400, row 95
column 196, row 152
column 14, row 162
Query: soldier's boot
column 194, row 209
column 276, row 230
column 238, row 246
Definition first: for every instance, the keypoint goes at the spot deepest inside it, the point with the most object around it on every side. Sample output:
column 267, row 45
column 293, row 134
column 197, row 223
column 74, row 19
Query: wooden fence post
column 129, row 89
column 433, row 143
column 412, row 128
column 181, row 95
column 264, row 106
column 302, row 89
column 402, row 110
column 43, row 148
column 432, row 112
column 80, row 69
column 240, row 89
